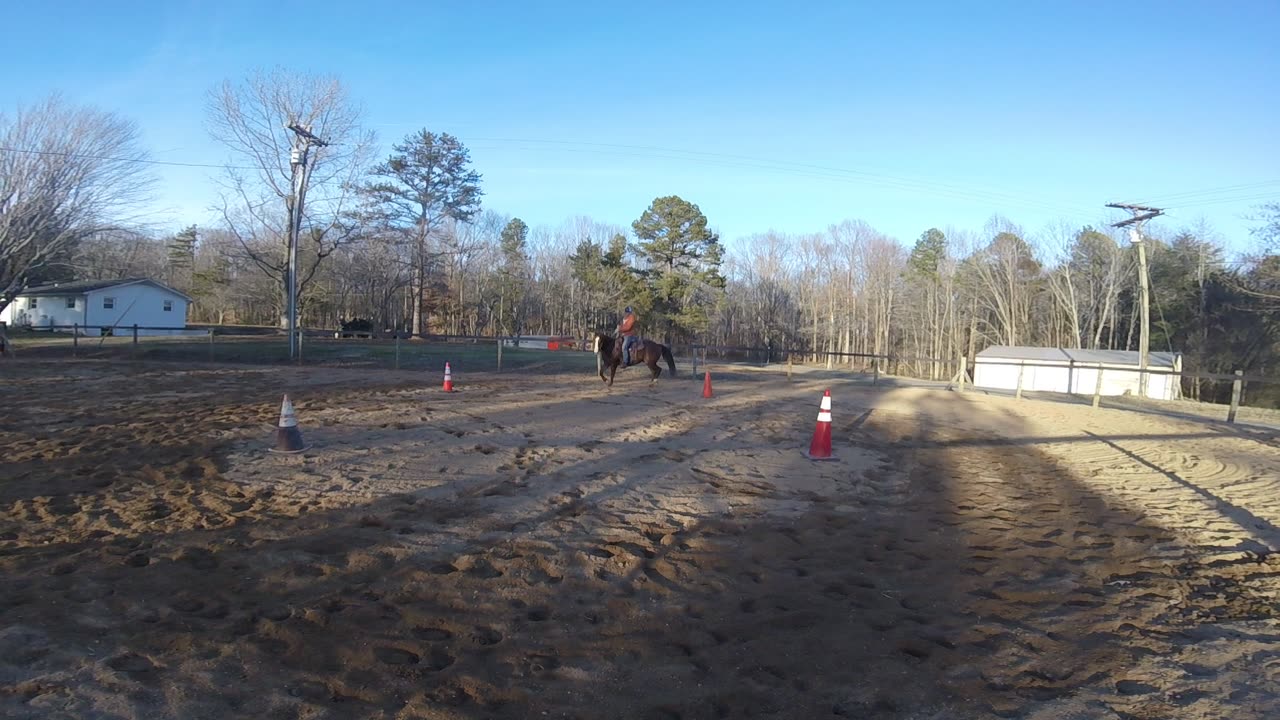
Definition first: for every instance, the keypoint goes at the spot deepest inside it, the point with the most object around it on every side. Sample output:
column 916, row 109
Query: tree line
column 405, row 242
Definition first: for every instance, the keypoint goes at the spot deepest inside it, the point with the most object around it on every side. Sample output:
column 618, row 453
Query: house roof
column 1084, row 357
column 83, row 287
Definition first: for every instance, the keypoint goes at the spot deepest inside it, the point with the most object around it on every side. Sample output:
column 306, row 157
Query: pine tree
column 182, row 258
column 683, row 259
column 514, row 275
column 427, row 180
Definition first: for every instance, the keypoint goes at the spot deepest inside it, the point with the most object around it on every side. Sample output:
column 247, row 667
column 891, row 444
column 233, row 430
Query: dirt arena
column 538, row 547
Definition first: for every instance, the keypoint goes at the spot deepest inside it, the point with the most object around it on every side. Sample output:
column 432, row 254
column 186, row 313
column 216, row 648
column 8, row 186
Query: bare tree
column 1063, row 283
column 1006, row 269
column 249, row 118
column 66, row 174
column 120, row 253
column 761, row 274
column 1262, row 281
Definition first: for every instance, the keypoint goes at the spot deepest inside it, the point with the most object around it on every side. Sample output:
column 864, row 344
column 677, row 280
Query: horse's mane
column 606, row 342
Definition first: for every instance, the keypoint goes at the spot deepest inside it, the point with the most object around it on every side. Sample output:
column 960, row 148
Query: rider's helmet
column 628, row 309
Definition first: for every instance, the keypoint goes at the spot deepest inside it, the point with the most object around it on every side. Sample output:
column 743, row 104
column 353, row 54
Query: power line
column 810, row 170
column 143, row 161
column 715, row 159
column 793, row 169
column 1198, row 198
column 1190, row 194
column 1237, row 199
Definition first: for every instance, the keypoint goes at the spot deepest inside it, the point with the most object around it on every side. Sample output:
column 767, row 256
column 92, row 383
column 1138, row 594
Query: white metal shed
column 1063, row 370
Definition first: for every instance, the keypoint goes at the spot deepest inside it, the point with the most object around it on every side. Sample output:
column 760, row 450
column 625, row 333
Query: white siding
column 1002, row 374
column 139, row 304
column 1127, row 381
column 49, row 310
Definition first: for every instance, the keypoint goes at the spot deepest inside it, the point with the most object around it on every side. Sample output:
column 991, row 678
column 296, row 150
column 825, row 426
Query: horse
column 609, row 352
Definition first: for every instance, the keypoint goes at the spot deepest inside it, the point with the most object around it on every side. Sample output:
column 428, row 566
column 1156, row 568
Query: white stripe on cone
column 820, row 445
column 288, row 437
column 287, row 417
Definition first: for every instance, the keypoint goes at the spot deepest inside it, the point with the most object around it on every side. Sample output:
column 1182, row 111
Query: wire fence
column 1238, row 397
column 257, row 345
column 1234, row 397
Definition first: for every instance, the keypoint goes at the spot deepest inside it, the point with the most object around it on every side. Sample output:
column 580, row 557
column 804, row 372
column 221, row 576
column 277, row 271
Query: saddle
column 636, row 345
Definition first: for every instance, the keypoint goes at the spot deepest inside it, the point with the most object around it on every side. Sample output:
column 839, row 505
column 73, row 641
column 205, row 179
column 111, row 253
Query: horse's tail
column 671, row 362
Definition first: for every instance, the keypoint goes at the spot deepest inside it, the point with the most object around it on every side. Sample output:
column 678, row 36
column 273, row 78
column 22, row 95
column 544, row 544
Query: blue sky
column 767, row 116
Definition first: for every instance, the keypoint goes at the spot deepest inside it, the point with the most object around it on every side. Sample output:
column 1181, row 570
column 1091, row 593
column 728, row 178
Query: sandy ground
column 540, row 547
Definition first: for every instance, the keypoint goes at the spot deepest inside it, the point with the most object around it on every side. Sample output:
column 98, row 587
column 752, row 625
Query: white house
column 1064, row 370
column 95, row 305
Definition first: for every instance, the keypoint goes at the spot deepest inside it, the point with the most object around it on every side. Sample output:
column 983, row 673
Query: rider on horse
column 628, row 332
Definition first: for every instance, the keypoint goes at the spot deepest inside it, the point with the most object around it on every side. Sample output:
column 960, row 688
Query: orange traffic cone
column 448, row 378
column 820, row 446
column 288, row 437
column 706, row 385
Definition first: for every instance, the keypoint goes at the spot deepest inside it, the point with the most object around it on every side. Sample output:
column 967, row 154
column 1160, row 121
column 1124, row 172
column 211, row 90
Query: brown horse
column 609, row 354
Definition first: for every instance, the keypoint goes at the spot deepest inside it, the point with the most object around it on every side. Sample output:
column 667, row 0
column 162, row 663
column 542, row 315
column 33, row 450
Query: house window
column 168, row 306
column 31, row 302
column 71, row 303
column 108, row 303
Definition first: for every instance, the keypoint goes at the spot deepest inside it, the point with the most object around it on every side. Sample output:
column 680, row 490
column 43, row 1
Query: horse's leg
column 613, row 370
column 653, row 368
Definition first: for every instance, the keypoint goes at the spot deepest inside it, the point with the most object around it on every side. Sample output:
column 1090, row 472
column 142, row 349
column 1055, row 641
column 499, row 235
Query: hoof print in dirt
column 485, row 636
column 396, row 656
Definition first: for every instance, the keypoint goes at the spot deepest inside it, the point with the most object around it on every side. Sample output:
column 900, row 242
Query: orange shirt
column 628, row 323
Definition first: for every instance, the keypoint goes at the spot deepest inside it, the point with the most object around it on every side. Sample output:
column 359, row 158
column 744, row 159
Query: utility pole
column 1140, row 214
column 300, row 163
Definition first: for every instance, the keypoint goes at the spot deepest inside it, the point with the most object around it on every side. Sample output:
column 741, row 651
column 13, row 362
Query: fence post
column 499, row 339
column 75, row 340
column 210, row 344
column 135, row 340
column 1097, row 388
column 964, row 371
column 397, row 349
column 695, row 361
column 1021, row 369
column 788, row 367
column 875, row 371
column 299, row 346
column 1237, row 389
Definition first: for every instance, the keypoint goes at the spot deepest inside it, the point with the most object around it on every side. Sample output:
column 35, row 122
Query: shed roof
column 1084, row 357
column 1121, row 357
column 82, row 287
column 1020, row 352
